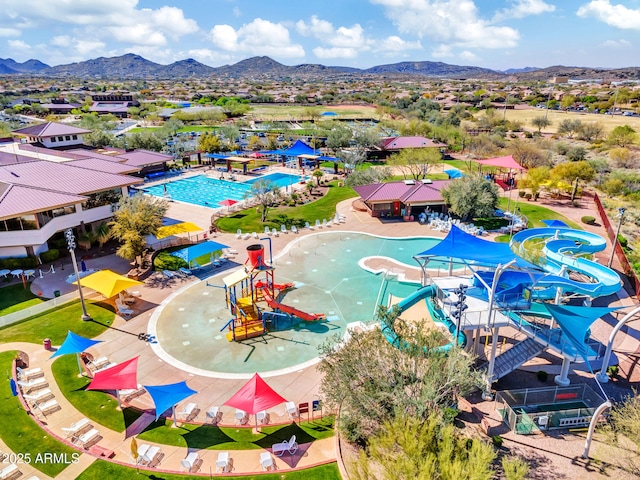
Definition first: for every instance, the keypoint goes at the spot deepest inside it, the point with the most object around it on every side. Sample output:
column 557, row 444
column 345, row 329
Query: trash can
column 47, row 343
column 56, row 293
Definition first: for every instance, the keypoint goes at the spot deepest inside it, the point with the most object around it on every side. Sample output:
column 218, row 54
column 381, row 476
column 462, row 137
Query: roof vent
column 15, row 174
column 427, row 181
column 409, row 182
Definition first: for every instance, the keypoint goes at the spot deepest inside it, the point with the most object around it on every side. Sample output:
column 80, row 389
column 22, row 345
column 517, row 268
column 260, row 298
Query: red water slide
column 309, row 317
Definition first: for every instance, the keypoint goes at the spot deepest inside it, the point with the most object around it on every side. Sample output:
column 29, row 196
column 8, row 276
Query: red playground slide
column 309, row 317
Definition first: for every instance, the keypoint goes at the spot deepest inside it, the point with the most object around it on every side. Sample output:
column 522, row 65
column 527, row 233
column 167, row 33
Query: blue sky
column 496, row 34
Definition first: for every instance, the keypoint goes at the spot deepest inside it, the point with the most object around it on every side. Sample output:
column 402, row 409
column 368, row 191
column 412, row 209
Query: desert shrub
column 497, row 440
column 612, row 371
column 166, row 261
column 18, row 262
column 50, row 255
column 521, row 193
column 588, row 219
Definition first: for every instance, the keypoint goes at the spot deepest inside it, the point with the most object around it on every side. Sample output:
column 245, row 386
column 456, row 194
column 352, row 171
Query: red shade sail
column 502, row 162
column 122, row 376
column 255, row 396
column 228, row 202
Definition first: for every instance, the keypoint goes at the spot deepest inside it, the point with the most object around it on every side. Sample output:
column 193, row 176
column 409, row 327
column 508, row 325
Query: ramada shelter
column 402, row 199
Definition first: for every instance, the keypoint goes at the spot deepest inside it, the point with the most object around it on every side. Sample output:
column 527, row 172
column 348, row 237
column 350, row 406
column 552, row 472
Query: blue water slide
column 420, row 294
column 560, row 249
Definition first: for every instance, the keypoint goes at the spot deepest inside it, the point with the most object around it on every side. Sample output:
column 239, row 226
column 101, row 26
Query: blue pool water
column 209, row 192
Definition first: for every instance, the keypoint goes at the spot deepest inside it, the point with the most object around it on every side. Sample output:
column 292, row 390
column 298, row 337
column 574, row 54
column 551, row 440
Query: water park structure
column 247, row 287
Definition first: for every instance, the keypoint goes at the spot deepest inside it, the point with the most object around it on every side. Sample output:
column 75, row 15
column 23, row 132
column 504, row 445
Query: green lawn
column 55, row 324
column 101, row 470
column 93, row 404
column 535, row 213
column 210, row 437
column 23, row 435
column 249, row 220
column 16, row 297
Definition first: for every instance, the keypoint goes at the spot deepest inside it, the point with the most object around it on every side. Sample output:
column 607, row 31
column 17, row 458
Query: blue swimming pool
column 209, row 192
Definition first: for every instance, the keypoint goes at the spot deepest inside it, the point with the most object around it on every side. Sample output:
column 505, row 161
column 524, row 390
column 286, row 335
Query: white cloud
column 618, row 16
column 622, row 43
column 335, row 52
column 524, row 8
column 19, row 45
column 452, row 22
column 9, row 32
column 316, row 27
column 468, row 56
column 236, row 12
column 396, row 44
column 208, row 56
column 260, row 37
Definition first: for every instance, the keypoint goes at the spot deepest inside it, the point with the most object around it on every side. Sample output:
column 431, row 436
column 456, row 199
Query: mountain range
column 135, row 66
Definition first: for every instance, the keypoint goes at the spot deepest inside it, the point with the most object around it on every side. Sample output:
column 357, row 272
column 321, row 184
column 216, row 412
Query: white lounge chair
column 266, row 461
column 131, row 393
column 307, row 225
column 10, row 471
column 169, row 274
column 294, row 229
column 240, row 417
column 283, row 228
column 274, row 232
column 76, row 428
column 190, row 462
column 290, row 446
column 291, row 410
column 318, row 224
column 125, row 299
column 255, row 235
column 48, row 406
column 39, row 395
column 239, row 234
column 30, row 373
column 223, row 462
column 123, row 310
column 189, row 411
column 88, row 438
column 186, row 271
column 99, row 362
column 34, row 384
column 214, row 414
column 262, row 417
column 151, row 457
column 195, row 265
column 267, row 231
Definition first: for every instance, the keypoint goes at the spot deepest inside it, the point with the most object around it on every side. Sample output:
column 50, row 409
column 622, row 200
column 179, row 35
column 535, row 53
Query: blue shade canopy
column 453, row 173
column 469, row 248
column 195, row 251
column 298, row 148
column 13, row 387
column 74, row 344
column 555, row 223
column 166, row 396
column 575, row 321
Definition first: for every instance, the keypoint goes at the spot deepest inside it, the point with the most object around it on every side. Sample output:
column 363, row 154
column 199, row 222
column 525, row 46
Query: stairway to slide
column 510, row 360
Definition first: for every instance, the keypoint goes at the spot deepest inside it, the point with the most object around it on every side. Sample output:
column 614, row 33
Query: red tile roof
column 50, row 129
column 108, row 166
column 141, row 158
column 399, row 191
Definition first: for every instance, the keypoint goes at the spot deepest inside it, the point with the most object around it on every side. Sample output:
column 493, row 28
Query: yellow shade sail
column 107, row 283
column 184, row 227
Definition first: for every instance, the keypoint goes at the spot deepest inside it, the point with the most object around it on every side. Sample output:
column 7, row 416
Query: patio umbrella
column 134, row 450
column 74, row 344
column 256, row 395
column 227, row 203
column 165, row 396
column 176, row 228
column 122, row 376
column 107, row 283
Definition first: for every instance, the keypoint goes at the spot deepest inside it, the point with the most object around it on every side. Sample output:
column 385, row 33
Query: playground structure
column 537, row 284
column 246, row 288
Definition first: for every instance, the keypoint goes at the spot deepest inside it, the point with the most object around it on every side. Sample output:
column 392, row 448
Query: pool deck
column 121, row 343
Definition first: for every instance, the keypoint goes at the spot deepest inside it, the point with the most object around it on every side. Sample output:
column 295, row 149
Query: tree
column 569, row 127
column 622, row 136
column 338, row 137
column 415, row 163
column 267, row 194
column 573, row 173
column 318, row 174
column 528, row 155
column 534, row 178
column 591, row 132
column 98, row 139
column 411, row 448
column 471, row 196
column 622, row 157
column 136, row 217
column 209, row 143
column 368, row 176
column 540, row 123
column 626, row 427
column 374, row 381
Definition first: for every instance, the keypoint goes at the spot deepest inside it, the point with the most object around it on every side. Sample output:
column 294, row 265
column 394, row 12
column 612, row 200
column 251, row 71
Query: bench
column 574, row 421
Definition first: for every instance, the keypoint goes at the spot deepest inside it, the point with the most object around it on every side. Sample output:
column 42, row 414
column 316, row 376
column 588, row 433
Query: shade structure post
column 79, row 363
column 119, row 401
column 173, row 414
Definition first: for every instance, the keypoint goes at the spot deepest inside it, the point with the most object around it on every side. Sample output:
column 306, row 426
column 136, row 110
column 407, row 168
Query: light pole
column 71, row 243
column 621, row 211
